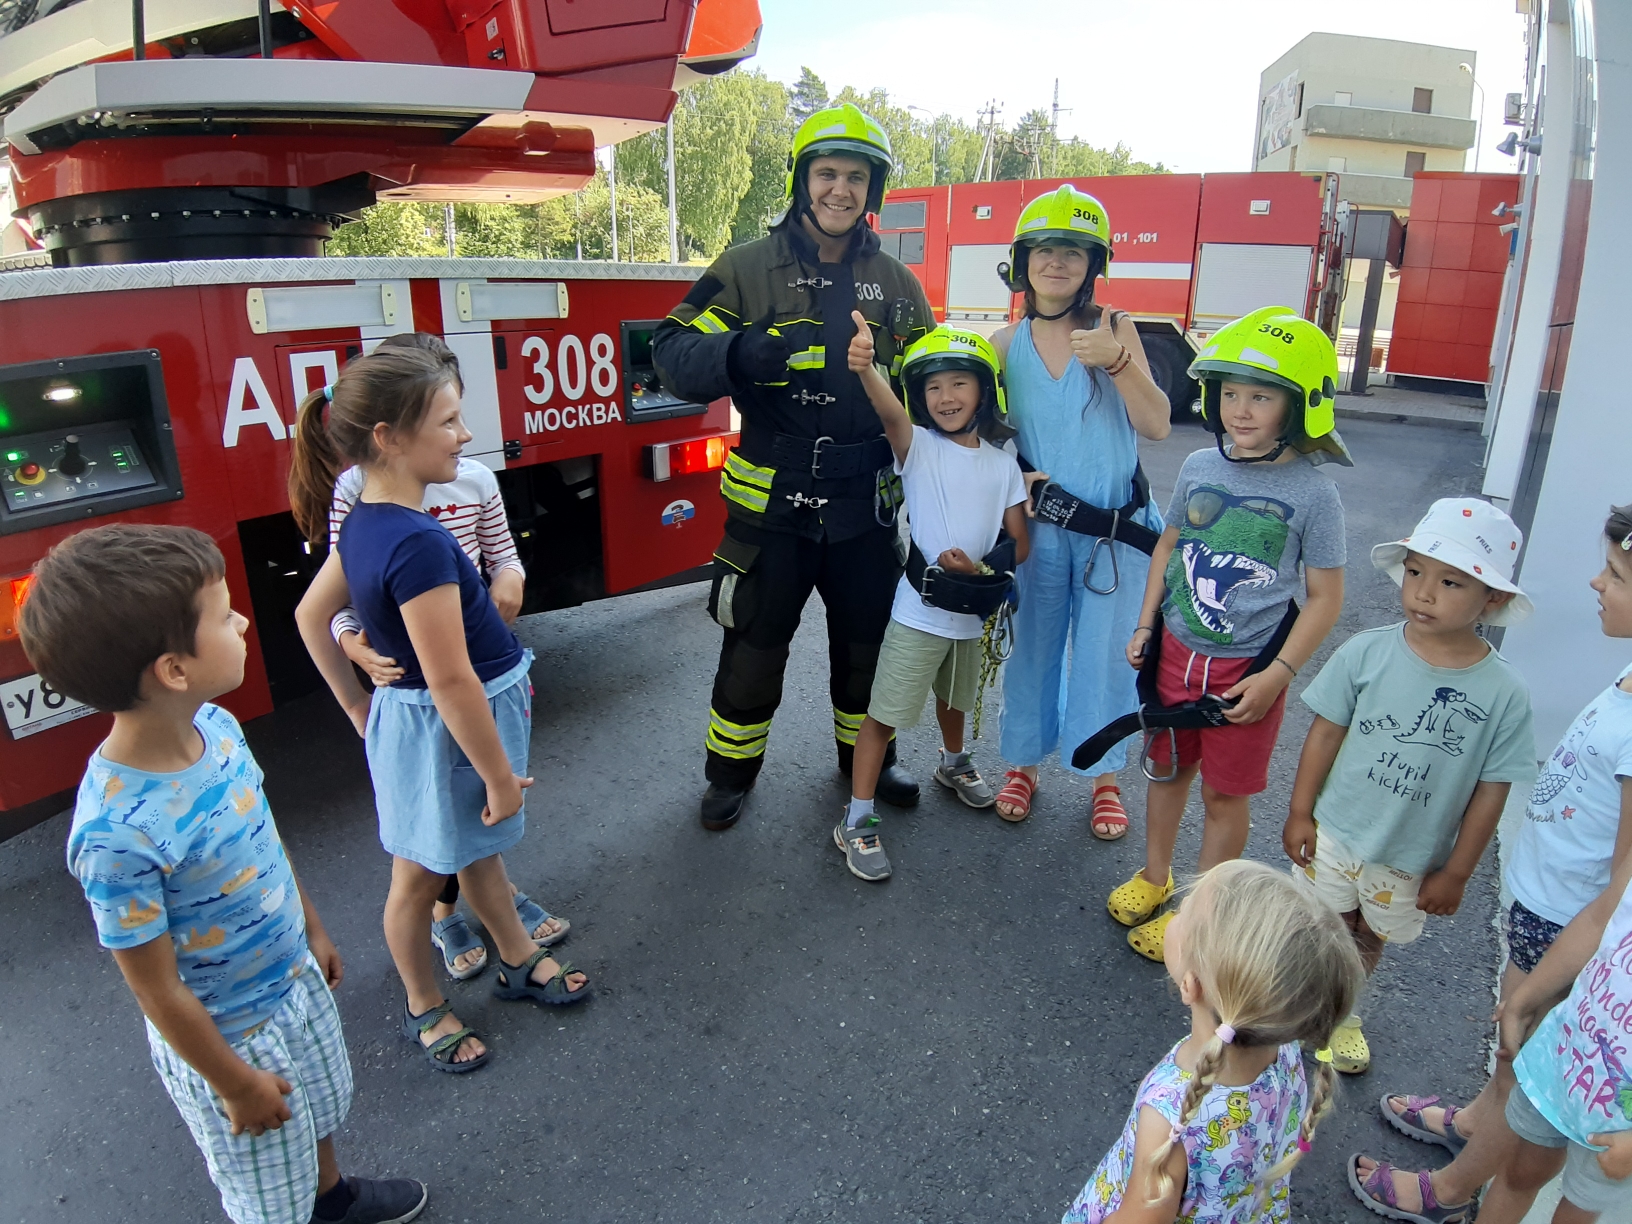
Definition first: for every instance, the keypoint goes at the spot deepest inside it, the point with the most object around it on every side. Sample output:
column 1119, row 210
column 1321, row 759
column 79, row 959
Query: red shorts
column 1235, row 757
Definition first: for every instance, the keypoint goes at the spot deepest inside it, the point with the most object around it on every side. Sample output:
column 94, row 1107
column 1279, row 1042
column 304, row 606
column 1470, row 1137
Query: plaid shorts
column 271, row 1179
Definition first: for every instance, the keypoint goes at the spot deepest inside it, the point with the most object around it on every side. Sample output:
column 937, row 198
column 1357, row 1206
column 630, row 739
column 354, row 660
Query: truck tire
column 1169, row 358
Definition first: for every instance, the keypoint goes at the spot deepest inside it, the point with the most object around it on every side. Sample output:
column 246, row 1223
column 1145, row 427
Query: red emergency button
column 30, row 474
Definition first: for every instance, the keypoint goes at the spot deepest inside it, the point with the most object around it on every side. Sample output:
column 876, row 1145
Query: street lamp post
column 1479, row 118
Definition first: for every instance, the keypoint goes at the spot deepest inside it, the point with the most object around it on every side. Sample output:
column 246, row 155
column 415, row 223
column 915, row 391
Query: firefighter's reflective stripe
column 737, row 740
column 810, row 359
column 746, row 484
column 712, row 321
column 845, row 726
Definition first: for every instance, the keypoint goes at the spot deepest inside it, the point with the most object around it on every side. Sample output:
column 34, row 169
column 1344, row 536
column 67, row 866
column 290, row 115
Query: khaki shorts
column 911, row 664
column 1385, row 896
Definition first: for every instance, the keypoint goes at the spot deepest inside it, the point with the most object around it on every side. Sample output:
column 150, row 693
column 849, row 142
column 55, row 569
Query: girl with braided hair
column 1219, row 1123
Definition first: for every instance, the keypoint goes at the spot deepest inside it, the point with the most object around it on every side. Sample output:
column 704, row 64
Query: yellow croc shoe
column 1351, row 1053
column 1134, row 902
column 1149, row 940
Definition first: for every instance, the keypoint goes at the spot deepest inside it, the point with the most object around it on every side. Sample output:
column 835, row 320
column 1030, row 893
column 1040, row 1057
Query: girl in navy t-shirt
column 447, row 743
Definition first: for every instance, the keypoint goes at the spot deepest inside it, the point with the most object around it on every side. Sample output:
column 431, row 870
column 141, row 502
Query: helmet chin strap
column 1280, row 449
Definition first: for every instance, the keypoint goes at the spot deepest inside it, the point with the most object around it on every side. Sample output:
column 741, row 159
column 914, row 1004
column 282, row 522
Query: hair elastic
column 1324, row 1056
column 328, row 392
column 1226, row 1033
column 1175, row 1134
column 1303, row 1144
column 1626, row 544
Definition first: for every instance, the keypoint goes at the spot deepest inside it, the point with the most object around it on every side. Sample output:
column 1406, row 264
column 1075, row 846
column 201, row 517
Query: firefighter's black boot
column 723, row 804
column 896, row 786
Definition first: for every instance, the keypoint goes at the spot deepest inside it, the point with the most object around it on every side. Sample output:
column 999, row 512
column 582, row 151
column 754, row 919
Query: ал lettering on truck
column 182, row 177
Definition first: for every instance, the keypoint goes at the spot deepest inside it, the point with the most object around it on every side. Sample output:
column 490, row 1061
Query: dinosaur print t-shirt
column 1420, row 739
column 194, row 855
column 1561, row 858
column 1244, row 528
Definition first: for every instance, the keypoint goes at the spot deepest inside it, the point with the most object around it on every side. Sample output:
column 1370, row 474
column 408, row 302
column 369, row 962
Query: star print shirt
column 1244, row 530
column 1562, row 856
column 1234, row 1139
column 1575, row 1067
column 1420, row 739
column 196, row 856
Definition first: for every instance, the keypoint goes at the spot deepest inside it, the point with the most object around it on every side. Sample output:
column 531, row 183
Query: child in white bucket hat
column 1420, row 728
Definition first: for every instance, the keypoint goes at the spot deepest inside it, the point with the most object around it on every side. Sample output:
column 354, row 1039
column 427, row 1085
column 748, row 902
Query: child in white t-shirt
column 961, row 494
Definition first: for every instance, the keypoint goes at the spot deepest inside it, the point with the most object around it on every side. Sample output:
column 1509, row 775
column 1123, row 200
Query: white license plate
column 31, row 706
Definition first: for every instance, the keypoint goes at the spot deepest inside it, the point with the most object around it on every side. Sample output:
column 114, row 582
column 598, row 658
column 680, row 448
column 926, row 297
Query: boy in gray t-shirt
column 1419, row 730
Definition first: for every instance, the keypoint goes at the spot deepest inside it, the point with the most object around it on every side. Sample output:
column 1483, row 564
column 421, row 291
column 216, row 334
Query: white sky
column 1175, row 80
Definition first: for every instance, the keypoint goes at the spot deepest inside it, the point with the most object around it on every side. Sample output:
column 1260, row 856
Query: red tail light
column 13, row 591
column 688, row 456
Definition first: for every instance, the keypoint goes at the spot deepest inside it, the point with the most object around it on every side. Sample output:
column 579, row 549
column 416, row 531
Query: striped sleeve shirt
column 470, row 506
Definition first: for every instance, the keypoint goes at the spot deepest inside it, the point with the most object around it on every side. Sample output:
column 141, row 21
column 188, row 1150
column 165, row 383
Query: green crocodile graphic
column 1226, row 544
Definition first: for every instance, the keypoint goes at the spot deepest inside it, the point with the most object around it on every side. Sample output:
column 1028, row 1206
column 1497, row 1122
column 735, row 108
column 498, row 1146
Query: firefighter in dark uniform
column 810, row 491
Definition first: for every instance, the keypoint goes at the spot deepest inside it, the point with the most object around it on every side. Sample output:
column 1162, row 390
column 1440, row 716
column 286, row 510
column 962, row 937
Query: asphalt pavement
column 771, row 1038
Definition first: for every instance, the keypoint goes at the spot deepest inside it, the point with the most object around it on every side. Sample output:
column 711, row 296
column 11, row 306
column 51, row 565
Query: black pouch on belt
column 1152, row 715
column 977, row 594
column 732, row 593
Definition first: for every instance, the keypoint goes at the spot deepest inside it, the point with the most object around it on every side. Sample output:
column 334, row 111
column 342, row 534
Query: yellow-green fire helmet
column 843, row 129
column 1065, row 215
column 953, row 348
column 1277, row 347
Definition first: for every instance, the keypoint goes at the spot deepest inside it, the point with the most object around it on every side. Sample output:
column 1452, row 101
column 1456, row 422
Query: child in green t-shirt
column 1419, row 730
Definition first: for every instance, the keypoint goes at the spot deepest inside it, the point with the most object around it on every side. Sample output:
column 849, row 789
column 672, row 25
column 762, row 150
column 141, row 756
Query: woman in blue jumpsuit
column 1080, row 395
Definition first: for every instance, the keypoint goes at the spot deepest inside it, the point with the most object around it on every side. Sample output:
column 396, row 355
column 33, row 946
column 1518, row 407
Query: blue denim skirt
column 428, row 795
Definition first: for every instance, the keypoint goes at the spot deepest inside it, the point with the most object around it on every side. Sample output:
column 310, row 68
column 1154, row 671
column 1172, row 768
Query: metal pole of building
column 1376, row 271
column 449, row 232
column 1479, row 117
column 138, row 30
column 263, row 20
column 612, row 193
column 674, row 221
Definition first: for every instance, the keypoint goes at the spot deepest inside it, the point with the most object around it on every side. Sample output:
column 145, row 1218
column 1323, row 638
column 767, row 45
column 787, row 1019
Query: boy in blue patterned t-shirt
column 172, row 837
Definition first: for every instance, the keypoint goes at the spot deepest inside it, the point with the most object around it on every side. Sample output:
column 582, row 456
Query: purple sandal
column 1409, row 1121
column 1377, row 1194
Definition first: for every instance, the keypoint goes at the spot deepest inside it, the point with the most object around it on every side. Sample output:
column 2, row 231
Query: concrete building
column 1373, row 110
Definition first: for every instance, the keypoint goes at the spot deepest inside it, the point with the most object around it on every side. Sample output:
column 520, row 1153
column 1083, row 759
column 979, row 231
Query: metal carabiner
column 1172, row 750
column 1003, row 631
column 884, row 498
column 1104, row 542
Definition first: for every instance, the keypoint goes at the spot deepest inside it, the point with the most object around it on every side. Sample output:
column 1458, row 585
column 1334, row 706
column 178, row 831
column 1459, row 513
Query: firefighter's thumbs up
column 861, row 346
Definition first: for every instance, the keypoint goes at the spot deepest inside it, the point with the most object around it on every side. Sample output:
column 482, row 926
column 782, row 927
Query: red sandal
column 1108, row 810
column 1016, row 793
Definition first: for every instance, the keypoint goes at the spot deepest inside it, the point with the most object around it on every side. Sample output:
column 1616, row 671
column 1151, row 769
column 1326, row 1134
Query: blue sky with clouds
column 1175, row 80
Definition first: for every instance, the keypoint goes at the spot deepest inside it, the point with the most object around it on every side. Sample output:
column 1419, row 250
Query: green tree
column 767, row 158
column 496, row 231
column 809, row 95
column 409, row 228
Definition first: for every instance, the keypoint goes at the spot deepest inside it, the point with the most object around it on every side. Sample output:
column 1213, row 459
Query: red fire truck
column 182, row 185
column 1192, row 252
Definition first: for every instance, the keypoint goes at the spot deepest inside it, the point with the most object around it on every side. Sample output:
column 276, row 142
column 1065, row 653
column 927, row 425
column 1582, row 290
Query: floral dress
column 1236, row 1137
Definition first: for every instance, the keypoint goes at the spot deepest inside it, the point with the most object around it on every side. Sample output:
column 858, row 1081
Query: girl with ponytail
column 1219, row 1123
column 447, row 741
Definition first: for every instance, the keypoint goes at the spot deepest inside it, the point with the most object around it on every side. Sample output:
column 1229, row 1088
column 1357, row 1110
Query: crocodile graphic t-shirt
column 1420, row 739
column 194, row 855
column 1244, row 528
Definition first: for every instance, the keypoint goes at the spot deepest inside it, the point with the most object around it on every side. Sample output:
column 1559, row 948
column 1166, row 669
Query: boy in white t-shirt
column 961, row 494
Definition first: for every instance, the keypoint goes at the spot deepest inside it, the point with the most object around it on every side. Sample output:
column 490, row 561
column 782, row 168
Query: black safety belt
column 977, row 594
column 1152, row 717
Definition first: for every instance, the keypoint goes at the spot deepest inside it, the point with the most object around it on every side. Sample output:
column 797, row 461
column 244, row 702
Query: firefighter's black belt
column 977, row 594
column 825, row 459
column 1054, row 505
column 1206, row 711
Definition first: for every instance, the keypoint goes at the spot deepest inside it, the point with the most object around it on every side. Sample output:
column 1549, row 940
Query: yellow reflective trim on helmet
column 740, row 741
column 809, row 359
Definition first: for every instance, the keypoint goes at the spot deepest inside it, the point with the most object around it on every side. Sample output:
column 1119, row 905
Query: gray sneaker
column 863, row 851
column 965, row 782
